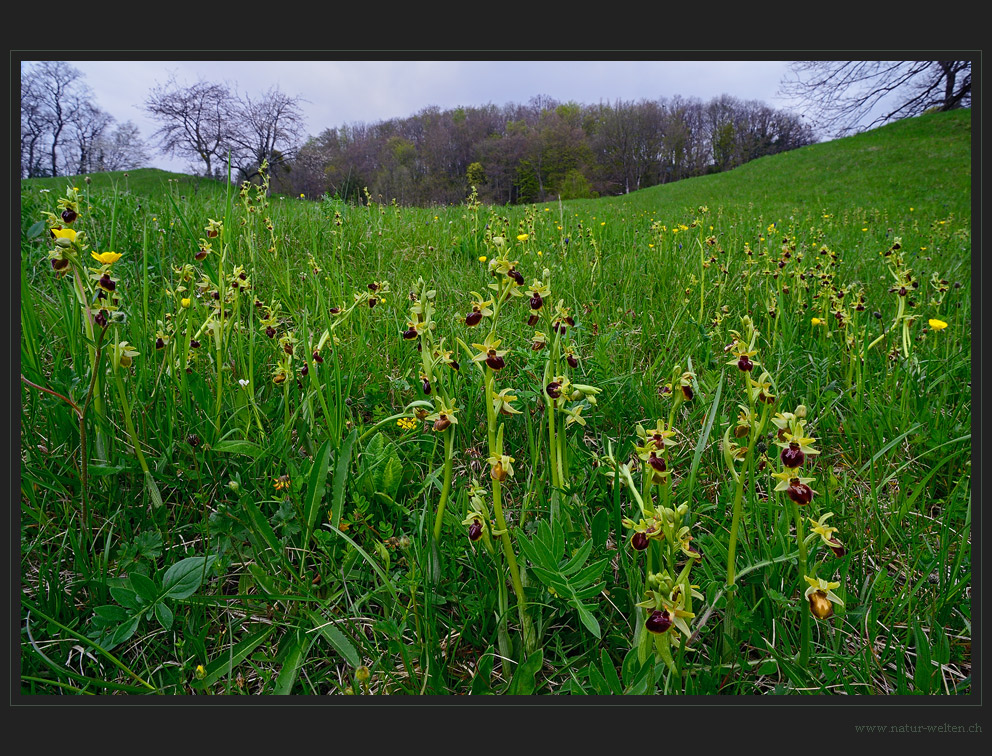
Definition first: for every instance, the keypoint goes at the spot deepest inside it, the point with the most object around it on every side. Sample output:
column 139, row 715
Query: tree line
column 539, row 151
column 63, row 132
column 510, row 154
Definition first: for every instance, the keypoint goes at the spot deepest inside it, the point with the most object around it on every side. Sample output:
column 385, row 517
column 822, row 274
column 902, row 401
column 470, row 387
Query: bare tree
column 846, row 96
column 34, row 125
column 267, row 129
column 196, row 120
column 88, row 127
column 120, row 150
column 56, row 94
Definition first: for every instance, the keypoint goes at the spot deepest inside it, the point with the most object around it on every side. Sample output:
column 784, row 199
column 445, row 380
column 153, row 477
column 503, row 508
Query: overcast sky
column 344, row 92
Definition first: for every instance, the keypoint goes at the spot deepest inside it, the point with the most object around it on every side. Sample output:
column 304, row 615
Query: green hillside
column 707, row 438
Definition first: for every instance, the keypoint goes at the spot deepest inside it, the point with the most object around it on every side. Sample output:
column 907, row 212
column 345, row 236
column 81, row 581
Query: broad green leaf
column 111, row 613
column 296, row 652
column 316, row 486
column 183, row 578
column 36, row 229
column 592, row 625
column 523, row 683
column 597, row 681
column 125, row 631
column 245, row 448
column 342, row 465
column 164, row 615
column 610, row 673
column 589, row 573
column 126, row 598
column 537, row 550
column 600, row 528
column 483, row 673
column 392, row 475
column 642, row 681
column 144, row 587
column 338, row 640
column 578, row 558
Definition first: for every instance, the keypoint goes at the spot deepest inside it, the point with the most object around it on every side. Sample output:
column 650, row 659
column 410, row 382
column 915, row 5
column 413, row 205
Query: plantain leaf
column 342, row 465
column 183, row 578
column 316, row 486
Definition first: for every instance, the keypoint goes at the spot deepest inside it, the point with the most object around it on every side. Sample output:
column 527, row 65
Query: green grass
column 294, row 590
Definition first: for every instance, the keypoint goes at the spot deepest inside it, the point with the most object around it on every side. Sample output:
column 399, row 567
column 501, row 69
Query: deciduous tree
column 196, row 120
column 850, row 95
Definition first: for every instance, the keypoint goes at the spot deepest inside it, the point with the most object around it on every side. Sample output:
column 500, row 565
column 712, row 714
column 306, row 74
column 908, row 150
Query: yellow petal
column 107, row 258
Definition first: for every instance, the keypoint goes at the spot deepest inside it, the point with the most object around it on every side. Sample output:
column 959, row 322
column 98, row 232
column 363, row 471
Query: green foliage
column 572, row 580
column 143, row 597
column 313, row 510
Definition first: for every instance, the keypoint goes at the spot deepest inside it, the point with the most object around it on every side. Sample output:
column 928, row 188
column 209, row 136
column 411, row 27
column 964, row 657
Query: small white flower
column 244, row 382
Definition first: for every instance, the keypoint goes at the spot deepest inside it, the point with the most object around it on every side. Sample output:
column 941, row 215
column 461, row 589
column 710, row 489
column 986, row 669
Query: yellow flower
column 64, row 236
column 523, row 237
column 106, row 258
column 185, row 301
column 281, row 482
column 200, row 672
column 816, row 321
column 937, row 325
column 482, row 258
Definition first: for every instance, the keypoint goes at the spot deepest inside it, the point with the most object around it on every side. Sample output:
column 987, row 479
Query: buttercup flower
column 106, row 258
column 64, row 237
column 937, row 325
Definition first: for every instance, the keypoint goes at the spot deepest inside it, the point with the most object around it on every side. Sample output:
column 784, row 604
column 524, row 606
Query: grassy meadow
column 711, row 437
